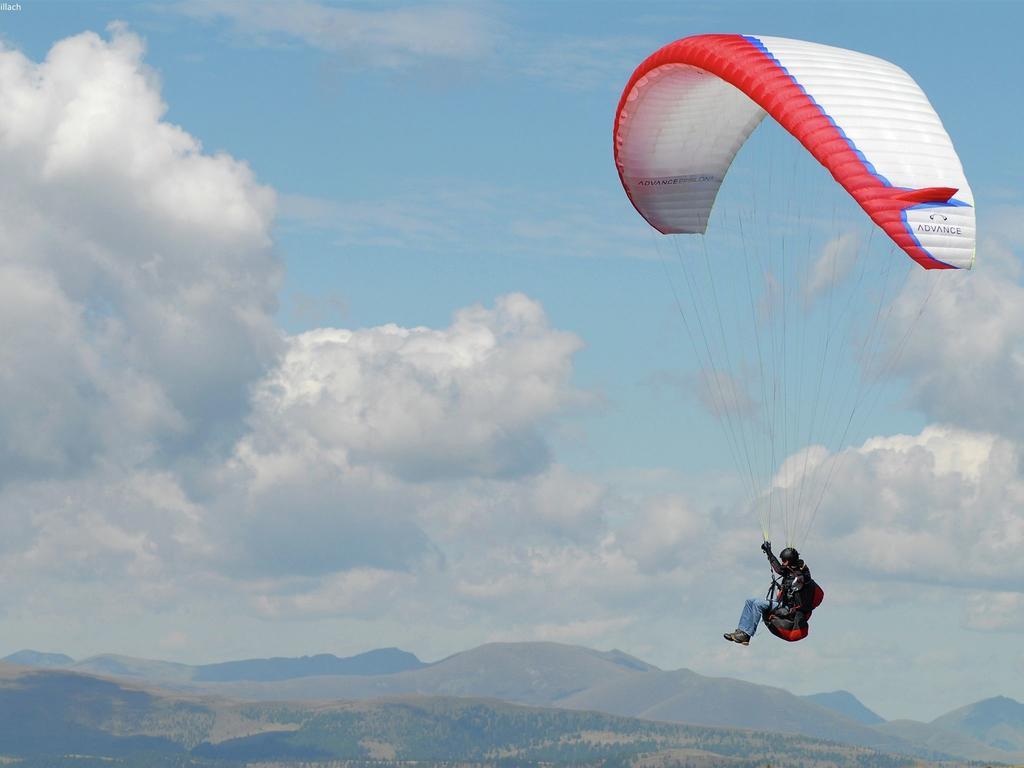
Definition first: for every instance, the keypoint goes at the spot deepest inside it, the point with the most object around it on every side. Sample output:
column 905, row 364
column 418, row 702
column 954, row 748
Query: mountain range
column 53, row 718
column 576, row 678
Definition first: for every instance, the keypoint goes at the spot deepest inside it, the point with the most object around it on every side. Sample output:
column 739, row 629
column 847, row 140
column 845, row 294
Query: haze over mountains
column 580, row 679
column 382, row 661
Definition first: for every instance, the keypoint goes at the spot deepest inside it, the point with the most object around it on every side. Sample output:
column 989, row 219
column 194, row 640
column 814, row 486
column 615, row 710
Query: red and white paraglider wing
column 690, row 106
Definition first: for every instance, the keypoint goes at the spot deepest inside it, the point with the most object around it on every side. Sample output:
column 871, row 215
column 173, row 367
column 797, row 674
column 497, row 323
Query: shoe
column 738, row 636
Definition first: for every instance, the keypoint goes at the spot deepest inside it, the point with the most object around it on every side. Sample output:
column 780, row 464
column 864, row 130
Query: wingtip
column 926, row 195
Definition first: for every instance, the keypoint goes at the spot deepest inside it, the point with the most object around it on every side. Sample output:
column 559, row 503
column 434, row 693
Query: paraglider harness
column 790, row 621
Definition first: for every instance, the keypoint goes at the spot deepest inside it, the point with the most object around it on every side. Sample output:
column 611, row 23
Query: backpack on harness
column 786, row 624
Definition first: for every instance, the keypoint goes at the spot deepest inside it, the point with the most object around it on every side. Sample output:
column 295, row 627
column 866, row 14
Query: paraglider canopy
column 691, row 105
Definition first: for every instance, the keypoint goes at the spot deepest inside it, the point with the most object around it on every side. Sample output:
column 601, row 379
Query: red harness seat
column 785, row 626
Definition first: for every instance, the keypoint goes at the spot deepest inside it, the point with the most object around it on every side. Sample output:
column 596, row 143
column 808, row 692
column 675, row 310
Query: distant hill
column 384, row 661
column 581, row 679
column 848, row 705
column 55, row 712
column 523, row 673
column 165, row 672
column 46, row 715
column 573, row 677
column 687, row 697
column 997, row 722
column 29, row 658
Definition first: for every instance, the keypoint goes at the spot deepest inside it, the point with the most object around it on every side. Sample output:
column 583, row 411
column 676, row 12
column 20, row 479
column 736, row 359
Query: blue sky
column 356, row 336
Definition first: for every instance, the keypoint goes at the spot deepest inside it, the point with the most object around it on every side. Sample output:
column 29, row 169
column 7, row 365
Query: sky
column 330, row 328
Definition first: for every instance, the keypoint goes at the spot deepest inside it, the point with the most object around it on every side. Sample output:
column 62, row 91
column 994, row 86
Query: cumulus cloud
column 371, row 456
column 580, row 582
column 650, row 559
column 468, row 400
column 138, row 285
column 366, row 447
column 138, row 276
column 941, row 506
column 103, row 529
column 296, row 514
column 554, row 505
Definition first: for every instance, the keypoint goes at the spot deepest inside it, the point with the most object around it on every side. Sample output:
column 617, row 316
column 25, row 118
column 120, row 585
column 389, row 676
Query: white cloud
column 468, row 400
column 137, row 289
column 297, row 514
column 370, row 448
column 579, row 582
column 942, row 506
column 103, row 529
column 650, row 556
column 554, row 505
column 144, row 263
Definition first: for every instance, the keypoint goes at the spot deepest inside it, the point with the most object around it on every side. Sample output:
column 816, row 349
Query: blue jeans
column 751, row 615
